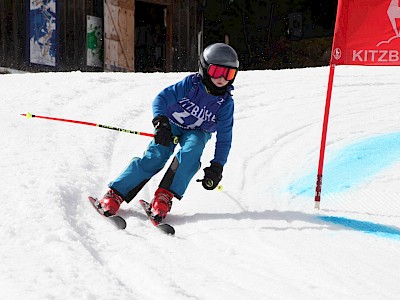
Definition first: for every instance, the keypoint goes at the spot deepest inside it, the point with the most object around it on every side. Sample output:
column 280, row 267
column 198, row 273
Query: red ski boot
column 110, row 203
column 161, row 203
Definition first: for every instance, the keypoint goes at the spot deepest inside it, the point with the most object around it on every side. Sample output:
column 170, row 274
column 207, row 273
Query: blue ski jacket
column 189, row 106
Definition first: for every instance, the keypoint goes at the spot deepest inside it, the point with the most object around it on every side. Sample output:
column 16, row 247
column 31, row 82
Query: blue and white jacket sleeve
column 224, row 132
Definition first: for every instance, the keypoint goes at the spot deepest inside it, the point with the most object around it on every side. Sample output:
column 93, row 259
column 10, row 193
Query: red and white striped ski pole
column 29, row 115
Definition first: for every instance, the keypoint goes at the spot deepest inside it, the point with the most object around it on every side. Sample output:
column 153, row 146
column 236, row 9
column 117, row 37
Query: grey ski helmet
column 218, row 54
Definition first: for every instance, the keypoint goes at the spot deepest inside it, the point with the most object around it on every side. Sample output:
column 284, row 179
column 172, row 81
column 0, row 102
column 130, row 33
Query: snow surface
column 259, row 238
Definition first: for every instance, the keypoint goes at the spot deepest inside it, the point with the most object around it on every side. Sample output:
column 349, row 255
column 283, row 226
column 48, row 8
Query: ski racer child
column 190, row 110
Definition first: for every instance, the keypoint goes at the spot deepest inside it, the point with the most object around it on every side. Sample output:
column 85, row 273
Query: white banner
column 94, row 41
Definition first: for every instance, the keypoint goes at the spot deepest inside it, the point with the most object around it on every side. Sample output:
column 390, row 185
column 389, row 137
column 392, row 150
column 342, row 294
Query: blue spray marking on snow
column 367, row 227
column 352, row 166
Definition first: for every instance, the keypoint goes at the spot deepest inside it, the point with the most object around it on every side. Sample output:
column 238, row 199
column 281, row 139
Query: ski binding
column 117, row 221
column 164, row 227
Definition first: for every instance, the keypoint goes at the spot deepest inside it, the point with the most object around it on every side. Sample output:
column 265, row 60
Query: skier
column 190, row 111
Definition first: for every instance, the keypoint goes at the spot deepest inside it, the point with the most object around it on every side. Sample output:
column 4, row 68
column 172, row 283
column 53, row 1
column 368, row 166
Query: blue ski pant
column 182, row 169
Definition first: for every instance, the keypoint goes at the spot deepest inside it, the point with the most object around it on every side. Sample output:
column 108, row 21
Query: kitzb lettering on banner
column 376, row 56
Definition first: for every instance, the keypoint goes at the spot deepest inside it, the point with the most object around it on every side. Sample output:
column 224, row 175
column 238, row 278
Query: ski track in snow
column 259, row 238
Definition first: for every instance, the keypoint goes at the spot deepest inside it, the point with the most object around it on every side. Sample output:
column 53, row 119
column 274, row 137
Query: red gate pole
column 323, row 138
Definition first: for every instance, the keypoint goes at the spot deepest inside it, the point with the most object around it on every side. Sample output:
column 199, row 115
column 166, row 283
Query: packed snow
column 258, row 238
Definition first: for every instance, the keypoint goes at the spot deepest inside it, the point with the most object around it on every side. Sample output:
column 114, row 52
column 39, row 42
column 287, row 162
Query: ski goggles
column 216, row 71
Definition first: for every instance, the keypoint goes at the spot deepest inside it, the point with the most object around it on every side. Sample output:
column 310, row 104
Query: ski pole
column 29, row 115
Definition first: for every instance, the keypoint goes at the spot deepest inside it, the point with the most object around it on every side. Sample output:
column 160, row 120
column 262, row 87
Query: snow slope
column 260, row 238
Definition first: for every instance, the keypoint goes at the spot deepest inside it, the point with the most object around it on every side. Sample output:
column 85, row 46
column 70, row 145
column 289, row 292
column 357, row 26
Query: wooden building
column 97, row 35
column 152, row 35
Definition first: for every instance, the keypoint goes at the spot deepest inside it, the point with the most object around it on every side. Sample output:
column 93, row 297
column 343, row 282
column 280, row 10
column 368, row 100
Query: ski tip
column 166, row 228
column 141, row 201
column 120, row 222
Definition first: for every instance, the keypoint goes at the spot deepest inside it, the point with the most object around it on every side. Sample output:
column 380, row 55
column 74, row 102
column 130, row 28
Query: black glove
column 163, row 134
column 212, row 176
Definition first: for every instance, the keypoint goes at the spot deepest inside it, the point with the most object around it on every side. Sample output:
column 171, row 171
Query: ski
column 164, row 227
column 117, row 221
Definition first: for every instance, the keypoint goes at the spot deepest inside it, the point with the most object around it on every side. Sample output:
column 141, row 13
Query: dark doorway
column 12, row 34
column 150, row 37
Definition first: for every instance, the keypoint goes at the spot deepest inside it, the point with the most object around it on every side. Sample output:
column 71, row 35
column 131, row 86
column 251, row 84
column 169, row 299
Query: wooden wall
column 119, row 42
column 72, row 32
column 71, row 26
column 186, row 26
column 12, row 33
column 182, row 27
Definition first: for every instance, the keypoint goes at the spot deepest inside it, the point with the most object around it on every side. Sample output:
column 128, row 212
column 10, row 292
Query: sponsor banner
column 42, row 32
column 367, row 32
column 94, row 41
